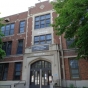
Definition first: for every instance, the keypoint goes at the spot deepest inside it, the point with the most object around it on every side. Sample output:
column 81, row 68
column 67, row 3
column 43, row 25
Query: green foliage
column 71, row 86
column 72, row 20
column 2, row 52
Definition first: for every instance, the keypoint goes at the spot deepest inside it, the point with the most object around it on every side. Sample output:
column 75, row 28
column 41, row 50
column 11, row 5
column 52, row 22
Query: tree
column 72, row 20
column 2, row 52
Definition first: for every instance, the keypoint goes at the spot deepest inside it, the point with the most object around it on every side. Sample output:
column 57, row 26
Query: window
column 74, row 69
column 17, row 71
column 69, row 42
column 20, row 47
column 42, row 39
column 7, row 46
column 8, row 29
column 22, row 26
column 42, row 21
column 4, row 71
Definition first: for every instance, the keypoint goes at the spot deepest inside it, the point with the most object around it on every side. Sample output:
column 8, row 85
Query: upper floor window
column 8, row 29
column 17, row 70
column 42, row 21
column 22, row 26
column 20, row 47
column 7, row 47
column 69, row 42
column 43, row 39
column 74, row 69
column 4, row 71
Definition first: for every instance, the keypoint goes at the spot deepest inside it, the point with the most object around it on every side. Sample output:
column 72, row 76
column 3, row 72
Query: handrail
column 15, row 84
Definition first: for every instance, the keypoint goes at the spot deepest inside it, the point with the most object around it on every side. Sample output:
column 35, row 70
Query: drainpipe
column 61, row 49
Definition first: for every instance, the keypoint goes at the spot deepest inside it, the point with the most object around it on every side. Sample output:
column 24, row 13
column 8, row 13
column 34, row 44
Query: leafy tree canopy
column 72, row 20
column 2, row 52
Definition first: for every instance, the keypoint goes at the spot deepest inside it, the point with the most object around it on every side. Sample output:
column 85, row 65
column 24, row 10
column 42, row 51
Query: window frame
column 71, row 77
column 7, row 47
column 40, row 24
column 14, row 76
column 9, row 31
column 68, row 45
column 46, row 40
column 19, row 46
column 4, row 65
column 22, row 26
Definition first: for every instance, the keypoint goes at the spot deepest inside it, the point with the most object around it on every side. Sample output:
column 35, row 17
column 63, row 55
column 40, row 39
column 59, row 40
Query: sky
column 10, row 7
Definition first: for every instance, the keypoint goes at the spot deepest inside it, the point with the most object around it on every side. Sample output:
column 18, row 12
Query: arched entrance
column 40, row 74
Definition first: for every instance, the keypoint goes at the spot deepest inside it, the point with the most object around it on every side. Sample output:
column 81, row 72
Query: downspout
column 62, row 56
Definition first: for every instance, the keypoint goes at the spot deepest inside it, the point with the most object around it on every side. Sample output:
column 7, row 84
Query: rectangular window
column 69, row 42
column 43, row 39
column 42, row 21
column 8, row 29
column 20, row 47
column 7, row 46
column 22, row 26
column 17, row 70
column 74, row 69
column 4, row 71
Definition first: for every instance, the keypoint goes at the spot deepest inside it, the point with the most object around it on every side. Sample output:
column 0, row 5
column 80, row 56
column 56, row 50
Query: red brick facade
column 27, row 37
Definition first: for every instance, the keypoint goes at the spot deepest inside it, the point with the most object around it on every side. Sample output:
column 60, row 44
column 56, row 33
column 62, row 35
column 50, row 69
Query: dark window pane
column 42, row 22
column 17, row 74
column 11, row 32
column 48, row 42
column 20, row 47
column 42, row 17
column 12, row 26
column 37, row 18
column 3, row 28
column 74, row 68
column 36, row 38
column 36, row 42
column 69, row 42
column 37, row 26
column 22, row 26
column 21, row 30
column 47, row 21
column 7, row 27
column 22, row 23
column 48, row 36
column 47, row 16
column 42, row 37
column 18, row 66
column 6, row 32
column 37, row 23
column 42, row 25
column 9, row 45
column 47, row 25
column 42, row 42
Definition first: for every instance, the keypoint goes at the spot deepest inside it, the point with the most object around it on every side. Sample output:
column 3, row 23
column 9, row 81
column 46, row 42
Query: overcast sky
column 10, row 7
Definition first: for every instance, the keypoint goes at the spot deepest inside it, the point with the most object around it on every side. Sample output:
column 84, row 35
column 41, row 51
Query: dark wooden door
column 40, row 75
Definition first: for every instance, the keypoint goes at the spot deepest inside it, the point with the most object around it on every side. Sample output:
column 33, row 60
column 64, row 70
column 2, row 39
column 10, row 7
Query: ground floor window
column 4, row 71
column 74, row 68
column 17, row 71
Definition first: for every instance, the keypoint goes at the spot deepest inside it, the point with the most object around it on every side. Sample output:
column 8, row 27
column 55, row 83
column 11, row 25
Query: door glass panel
column 46, row 78
column 50, row 77
column 43, row 74
column 32, row 76
column 35, row 77
column 38, row 77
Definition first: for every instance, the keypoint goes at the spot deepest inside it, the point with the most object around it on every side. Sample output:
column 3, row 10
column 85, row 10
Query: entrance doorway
column 40, row 74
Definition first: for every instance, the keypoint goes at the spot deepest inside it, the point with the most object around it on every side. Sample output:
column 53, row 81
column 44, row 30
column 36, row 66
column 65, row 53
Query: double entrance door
column 40, row 75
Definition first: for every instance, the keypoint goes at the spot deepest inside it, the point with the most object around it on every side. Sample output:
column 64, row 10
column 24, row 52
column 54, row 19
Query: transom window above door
column 41, row 64
column 42, row 21
column 43, row 39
